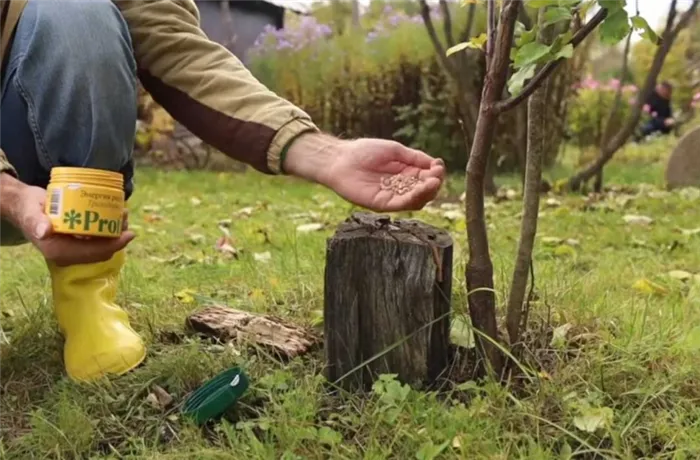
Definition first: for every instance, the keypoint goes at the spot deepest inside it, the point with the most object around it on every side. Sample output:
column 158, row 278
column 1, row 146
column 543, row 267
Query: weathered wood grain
column 385, row 281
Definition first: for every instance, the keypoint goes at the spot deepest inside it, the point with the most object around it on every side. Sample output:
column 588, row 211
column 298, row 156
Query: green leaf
column 530, row 53
column 569, row 3
column 556, row 15
column 430, row 451
column 458, row 47
column 475, row 43
column 612, row 5
column 542, row 3
column 517, row 81
column 615, row 27
column 527, row 36
column 461, row 333
column 639, row 23
column 566, row 52
column 594, row 418
column 329, row 436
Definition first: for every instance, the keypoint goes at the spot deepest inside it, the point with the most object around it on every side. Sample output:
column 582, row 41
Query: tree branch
column 447, row 23
column 490, row 32
column 547, row 70
column 467, row 32
column 618, row 93
column 439, row 49
column 685, row 18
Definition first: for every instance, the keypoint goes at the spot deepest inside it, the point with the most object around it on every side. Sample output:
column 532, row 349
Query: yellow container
column 87, row 202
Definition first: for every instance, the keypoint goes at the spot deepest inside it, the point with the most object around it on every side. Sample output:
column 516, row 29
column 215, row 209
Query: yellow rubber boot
column 98, row 337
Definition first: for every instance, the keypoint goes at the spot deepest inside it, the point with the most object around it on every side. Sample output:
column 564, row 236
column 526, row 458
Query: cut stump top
column 361, row 224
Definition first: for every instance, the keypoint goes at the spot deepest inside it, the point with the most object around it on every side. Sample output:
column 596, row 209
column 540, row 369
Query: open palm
column 356, row 174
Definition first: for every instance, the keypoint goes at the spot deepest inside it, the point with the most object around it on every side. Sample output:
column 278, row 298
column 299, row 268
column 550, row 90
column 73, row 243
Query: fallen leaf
column 225, row 246
column 185, row 296
column 195, row 201
column 163, row 397
column 553, row 203
column 637, row 220
column 152, row 400
column 456, row 442
column 453, row 215
column 593, row 419
column 689, row 232
column 247, row 212
column 680, row 275
column 306, row 228
column 572, row 242
column 196, row 238
column 461, row 332
column 551, row 240
column 151, row 208
column 559, row 334
column 646, row 286
column 262, row 257
column 449, row 206
column 150, row 218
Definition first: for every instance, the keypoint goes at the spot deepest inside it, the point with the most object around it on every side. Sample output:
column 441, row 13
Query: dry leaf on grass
column 306, row 228
column 633, row 219
column 648, row 287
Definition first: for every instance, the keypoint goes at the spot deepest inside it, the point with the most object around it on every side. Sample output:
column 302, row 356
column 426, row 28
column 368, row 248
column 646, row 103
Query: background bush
column 383, row 80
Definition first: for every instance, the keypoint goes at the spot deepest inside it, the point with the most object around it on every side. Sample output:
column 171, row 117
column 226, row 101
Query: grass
column 622, row 383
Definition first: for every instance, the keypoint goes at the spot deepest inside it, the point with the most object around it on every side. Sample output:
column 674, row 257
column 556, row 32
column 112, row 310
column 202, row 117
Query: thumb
column 39, row 225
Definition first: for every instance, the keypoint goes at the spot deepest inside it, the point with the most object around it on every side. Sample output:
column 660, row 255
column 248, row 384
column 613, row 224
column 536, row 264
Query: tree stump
column 683, row 168
column 387, row 282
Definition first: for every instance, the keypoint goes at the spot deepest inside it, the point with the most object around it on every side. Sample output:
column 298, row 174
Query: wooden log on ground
column 387, row 282
column 226, row 324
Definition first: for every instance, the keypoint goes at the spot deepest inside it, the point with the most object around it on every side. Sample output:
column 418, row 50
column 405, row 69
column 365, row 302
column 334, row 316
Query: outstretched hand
column 361, row 166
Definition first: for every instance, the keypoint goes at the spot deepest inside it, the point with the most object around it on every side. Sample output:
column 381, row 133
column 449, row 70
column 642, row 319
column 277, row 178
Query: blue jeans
column 68, row 93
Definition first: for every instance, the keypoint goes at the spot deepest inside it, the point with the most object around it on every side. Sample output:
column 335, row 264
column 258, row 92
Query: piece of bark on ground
column 228, row 324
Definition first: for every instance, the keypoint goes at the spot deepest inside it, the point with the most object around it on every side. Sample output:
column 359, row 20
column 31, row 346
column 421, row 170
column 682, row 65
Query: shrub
column 589, row 114
column 386, row 82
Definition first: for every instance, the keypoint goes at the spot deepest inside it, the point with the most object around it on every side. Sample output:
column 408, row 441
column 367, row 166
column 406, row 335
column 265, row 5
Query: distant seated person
column 659, row 107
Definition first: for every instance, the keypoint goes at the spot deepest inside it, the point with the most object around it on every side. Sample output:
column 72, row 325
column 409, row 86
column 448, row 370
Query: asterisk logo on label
column 72, row 218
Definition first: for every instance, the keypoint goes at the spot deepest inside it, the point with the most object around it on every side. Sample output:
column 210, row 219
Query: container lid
column 216, row 396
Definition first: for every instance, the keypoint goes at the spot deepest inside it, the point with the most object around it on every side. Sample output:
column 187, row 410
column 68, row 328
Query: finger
column 437, row 170
column 424, row 193
column 413, row 157
column 69, row 251
column 125, row 220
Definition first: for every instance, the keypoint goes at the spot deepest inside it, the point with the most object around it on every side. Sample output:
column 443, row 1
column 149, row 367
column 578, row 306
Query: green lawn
column 622, row 383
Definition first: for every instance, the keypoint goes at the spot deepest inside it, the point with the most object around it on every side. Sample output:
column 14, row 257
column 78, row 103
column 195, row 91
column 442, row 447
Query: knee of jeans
column 79, row 73
column 90, row 35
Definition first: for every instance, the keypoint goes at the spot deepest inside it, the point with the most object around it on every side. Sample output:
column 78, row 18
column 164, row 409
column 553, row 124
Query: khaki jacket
column 199, row 82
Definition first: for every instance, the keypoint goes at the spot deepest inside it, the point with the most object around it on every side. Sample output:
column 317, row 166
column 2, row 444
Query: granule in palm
column 399, row 184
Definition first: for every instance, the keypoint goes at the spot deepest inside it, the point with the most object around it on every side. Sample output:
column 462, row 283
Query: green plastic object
column 216, row 396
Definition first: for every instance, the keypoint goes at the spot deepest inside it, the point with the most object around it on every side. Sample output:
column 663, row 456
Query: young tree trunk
column 610, row 148
column 479, row 273
column 536, row 139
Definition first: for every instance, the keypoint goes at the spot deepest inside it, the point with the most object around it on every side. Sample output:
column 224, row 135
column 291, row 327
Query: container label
column 85, row 210
column 55, row 204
